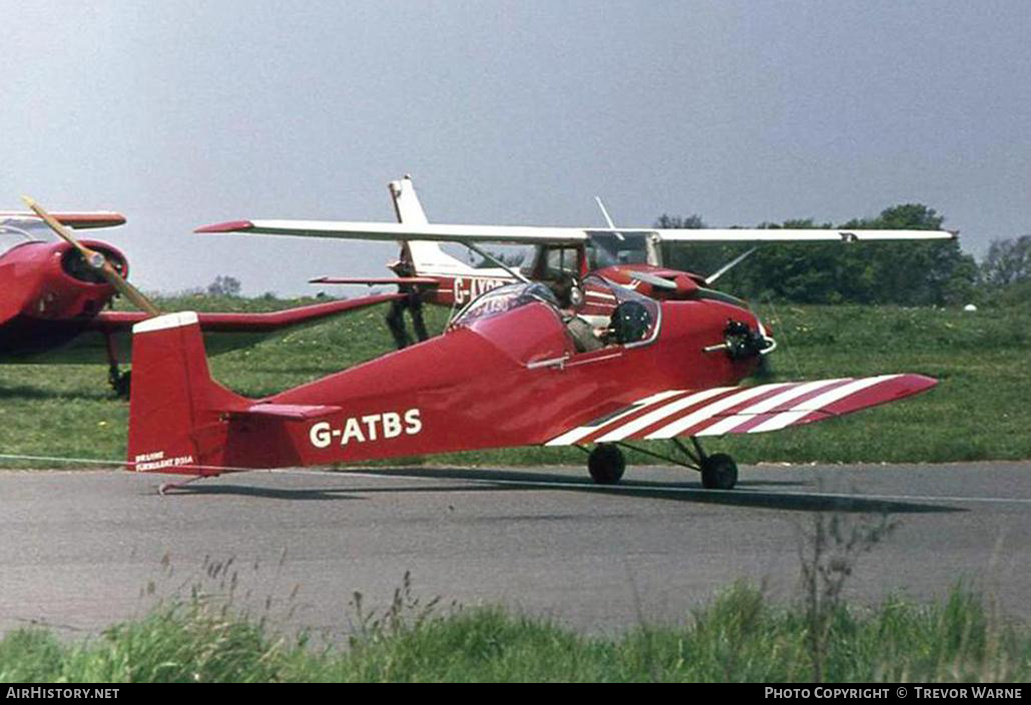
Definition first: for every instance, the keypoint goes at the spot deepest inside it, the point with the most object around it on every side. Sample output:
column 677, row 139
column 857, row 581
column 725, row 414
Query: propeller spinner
column 96, row 260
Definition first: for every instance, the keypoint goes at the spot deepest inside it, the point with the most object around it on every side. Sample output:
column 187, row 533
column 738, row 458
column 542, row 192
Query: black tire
column 123, row 385
column 719, row 472
column 606, row 464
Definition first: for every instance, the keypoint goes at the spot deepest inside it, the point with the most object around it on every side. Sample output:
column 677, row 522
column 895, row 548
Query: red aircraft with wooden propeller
column 521, row 364
column 54, row 295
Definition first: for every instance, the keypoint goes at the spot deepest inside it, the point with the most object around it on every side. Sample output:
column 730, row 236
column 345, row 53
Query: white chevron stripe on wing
column 761, row 407
column 662, row 412
column 710, row 410
column 571, row 437
column 786, row 418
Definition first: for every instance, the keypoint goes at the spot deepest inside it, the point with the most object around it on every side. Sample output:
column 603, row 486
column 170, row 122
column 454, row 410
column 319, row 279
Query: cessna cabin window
column 610, row 249
column 561, row 262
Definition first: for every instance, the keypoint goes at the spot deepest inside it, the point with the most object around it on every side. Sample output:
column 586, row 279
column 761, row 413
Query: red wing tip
column 922, row 381
column 231, row 226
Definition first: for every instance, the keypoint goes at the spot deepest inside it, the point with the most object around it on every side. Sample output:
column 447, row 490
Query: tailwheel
column 164, row 487
column 606, row 464
column 719, row 472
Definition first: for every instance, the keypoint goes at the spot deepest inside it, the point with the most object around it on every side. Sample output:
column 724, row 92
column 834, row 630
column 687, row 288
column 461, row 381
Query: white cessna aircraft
column 627, row 256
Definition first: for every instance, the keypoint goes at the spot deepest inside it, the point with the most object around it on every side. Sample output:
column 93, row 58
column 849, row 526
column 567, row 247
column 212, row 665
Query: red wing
column 427, row 281
column 249, row 322
column 722, row 410
column 79, row 220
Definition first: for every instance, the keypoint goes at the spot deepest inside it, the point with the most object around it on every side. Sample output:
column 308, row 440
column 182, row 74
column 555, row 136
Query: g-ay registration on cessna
column 539, row 366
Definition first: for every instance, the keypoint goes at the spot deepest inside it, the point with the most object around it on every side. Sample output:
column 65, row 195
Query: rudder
column 176, row 410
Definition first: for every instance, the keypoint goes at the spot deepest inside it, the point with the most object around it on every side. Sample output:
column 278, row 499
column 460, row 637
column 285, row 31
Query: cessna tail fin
column 406, row 202
column 426, row 257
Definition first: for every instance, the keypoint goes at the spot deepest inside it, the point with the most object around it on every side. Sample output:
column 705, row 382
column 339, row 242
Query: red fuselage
column 511, row 381
column 511, row 376
column 49, row 295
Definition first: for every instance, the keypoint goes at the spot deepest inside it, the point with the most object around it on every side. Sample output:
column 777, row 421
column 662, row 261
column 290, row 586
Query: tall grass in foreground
column 740, row 636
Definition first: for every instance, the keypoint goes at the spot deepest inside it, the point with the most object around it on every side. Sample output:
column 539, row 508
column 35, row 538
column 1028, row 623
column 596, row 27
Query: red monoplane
column 53, row 297
column 515, row 367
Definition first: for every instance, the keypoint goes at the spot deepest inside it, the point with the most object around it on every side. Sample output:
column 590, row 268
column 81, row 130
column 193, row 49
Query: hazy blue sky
column 184, row 113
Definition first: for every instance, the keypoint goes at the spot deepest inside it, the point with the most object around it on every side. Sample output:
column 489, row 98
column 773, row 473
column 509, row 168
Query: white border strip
column 169, row 320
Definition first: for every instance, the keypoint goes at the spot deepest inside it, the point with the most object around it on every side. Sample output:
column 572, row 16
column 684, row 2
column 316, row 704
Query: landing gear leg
column 719, row 471
column 606, row 464
column 119, row 381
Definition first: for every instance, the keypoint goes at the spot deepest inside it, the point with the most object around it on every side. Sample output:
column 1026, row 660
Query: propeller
column 683, row 285
column 653, row 279
column 730, row 265
column 96, row 260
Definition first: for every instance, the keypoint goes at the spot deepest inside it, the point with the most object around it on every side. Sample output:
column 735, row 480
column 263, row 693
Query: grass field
column 979, row 411
column 740, row 636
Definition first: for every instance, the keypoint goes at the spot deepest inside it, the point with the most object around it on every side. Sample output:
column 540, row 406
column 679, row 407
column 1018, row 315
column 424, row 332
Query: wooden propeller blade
column 97, row 260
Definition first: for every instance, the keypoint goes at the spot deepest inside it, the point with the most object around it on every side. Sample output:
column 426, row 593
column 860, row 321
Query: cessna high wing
column 628, row 256
column 53, row 297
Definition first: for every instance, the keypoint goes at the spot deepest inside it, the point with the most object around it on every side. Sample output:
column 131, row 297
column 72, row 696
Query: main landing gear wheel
column 606, row 464
column 719, row 472
column 121, row 382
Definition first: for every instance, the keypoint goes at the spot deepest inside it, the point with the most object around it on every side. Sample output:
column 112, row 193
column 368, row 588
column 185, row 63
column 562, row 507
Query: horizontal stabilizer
column 722, row 410
column 372, row 281
column 290, row 412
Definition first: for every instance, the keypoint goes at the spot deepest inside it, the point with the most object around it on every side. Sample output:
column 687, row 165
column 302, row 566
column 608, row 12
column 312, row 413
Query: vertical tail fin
column 406, row 202
column 426, row 257
column 176, row 410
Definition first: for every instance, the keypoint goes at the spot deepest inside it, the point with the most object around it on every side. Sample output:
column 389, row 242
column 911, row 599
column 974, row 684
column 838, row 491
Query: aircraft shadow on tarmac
column 510, row 481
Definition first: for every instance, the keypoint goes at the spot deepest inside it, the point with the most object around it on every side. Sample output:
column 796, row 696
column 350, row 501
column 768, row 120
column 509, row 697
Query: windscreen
column 610, row 249
column 503, row 299
column 12, row 235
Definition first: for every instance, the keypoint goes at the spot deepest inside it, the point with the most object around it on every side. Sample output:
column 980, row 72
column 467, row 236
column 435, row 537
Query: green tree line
column 907, row 273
